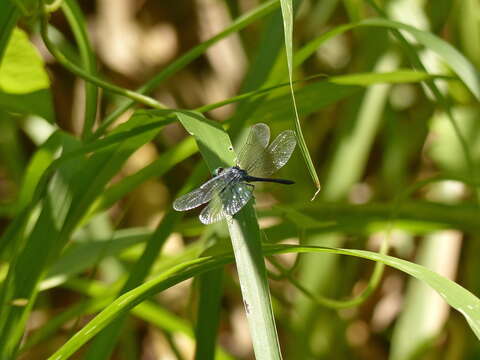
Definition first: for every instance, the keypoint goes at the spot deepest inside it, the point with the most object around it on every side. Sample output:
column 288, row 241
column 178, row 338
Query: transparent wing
column 235, row 197
column 262, row 164
column 227, row 202
column 257, row 141
column 282, row 148
column 269, row 160
column 203, row 194
column 213, row 212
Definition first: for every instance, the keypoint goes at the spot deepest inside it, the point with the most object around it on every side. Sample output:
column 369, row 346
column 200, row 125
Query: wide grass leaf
column 24, row 82
column 22, row 69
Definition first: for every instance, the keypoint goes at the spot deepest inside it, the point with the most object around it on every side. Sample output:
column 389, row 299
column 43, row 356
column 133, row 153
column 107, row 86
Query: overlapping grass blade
column 188, row 57
column 217, row 151
column 9, row 15
column 158, row 167
column 73, row 188
column 452, row 57
column 105, row 342
column 32, row 252
column 77, row 24
column 83, row 254
column 458, row 297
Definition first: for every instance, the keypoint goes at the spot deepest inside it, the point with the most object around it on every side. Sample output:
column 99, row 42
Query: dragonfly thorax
column 232, row 170
column 239, row 172
column 232, row 174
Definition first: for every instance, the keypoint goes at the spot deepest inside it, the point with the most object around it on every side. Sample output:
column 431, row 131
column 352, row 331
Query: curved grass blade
column 77, row 23
column 105, row 342
column 455, row 295
column 452, row 57
column 188, row 57
column 63, row 204
column 157, row 168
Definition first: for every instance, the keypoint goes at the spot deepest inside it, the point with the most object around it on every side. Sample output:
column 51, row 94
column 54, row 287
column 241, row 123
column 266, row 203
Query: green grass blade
column 417, row 216
column 77, row 23
column 105, row 342
column 86, row 253
column 39, row 162
column 87, row 76
column 149, row 311
column 458, row 63
column 425, row 314
column 68, row 196
column 11, row 151
column 134, row 297
column 452, row 57
column 361, row 79
column 455, row 295
column 210, row 289
column 356, row 138
column 188, row 57
column 104, row 164
column 267, row 52
column 458, row 297
column 82, row 308
column 310, row 98
column 28, row 7
column 287, row 12
column 31, row 254
column 246, row 243
column 217, row 150
column 157, row 168
column 9, row 15
column 212, row 141
column 399, row 76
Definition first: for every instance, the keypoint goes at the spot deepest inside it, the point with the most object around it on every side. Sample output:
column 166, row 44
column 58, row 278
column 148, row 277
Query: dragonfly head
column 218, row 171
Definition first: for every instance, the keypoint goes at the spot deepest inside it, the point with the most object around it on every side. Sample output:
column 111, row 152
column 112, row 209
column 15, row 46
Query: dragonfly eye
column 218, row 171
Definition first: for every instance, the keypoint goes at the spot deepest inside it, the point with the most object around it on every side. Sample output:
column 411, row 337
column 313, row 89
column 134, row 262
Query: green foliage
column 21, row 69
column 385, row 109
column 24, row 83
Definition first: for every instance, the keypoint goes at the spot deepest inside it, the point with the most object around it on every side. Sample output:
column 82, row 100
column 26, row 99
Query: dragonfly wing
column 203, row 194
column 261, row 165
column 227, row 202
column 257, row 141
column 191, row 200
column 281, row 149
column 213, row 212
column 235, row 197
column 265, row 161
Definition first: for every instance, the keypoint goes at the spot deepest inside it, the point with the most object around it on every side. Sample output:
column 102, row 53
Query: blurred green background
column 388, row 101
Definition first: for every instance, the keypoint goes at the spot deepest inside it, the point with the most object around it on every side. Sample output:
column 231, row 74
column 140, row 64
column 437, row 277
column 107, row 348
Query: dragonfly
column 230, row 189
